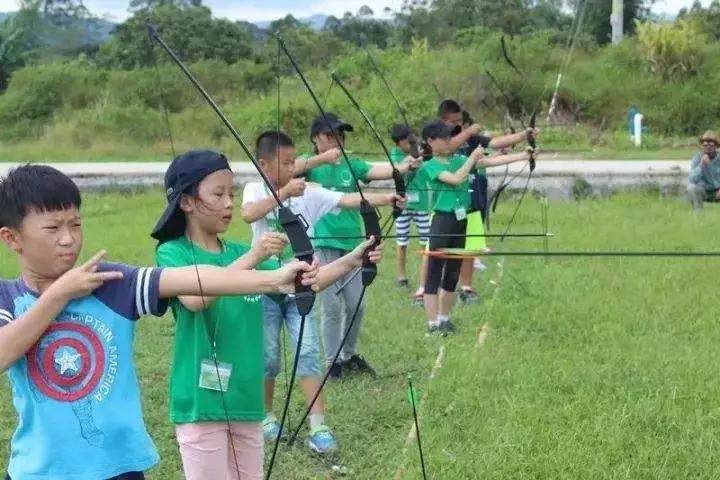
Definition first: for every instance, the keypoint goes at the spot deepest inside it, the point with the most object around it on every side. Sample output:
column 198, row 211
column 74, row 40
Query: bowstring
column 213, row 350
column 302, row 324
column 283, row 332
column 296, row 432
column 296, row 361
column 369, row 123
column 154, row 35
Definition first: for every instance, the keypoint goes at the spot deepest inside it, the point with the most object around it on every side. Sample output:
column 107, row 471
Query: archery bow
column 530, row 137
column 396, row 175
column 371, row 222
column 294, row 225
column 412, row 138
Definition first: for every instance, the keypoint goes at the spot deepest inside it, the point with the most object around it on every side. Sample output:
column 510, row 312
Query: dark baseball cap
column 328, row 123
column 437, row 129
column 400, row 131
column 185, row 171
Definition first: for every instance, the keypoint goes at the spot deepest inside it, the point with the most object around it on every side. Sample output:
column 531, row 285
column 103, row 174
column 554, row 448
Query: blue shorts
column 275, row 315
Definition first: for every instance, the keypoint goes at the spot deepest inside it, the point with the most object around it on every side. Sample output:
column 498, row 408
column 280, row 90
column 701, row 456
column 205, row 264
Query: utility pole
column 616, row 21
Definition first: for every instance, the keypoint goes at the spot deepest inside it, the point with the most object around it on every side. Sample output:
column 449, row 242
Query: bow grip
column 371, row 222
column 533, row 144
column 296, row 230
column 414, row 146
column 399, row 189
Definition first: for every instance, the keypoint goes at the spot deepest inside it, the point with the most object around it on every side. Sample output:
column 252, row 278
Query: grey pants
column 337, row 310
column 698, row 193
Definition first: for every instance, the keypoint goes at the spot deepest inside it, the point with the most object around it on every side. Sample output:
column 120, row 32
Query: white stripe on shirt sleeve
column 146, row 291
column 5, row 316
column 138, row 291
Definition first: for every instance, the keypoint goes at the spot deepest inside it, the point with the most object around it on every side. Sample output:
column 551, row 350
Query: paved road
column 554, row 178
column 544, row 168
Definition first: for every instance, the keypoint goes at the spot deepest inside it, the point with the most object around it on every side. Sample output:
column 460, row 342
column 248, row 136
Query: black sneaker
column 418, row 300
column 446, row 327
column 358, row 364
column 433, row 331
column 335, row 371
column 402, row 282
column 468, row 295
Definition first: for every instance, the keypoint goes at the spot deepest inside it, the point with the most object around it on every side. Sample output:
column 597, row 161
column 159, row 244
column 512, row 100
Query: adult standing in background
column 704, row 181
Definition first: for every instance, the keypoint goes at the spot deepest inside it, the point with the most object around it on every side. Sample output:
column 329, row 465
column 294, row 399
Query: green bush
column 36, row 93
column 78, row 103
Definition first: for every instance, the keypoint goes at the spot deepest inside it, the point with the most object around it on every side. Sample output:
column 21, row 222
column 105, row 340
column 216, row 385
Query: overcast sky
column 272, row 9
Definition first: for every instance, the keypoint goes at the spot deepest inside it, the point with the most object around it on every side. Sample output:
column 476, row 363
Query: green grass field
column 590, row 368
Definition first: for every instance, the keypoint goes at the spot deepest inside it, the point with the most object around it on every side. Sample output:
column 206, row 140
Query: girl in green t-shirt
column 217, row 376
column 448, row 180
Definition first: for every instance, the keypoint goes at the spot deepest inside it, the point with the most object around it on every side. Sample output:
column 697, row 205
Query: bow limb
column 371, row 220
column 295, row 226
column 397, row 177
column 413, row 141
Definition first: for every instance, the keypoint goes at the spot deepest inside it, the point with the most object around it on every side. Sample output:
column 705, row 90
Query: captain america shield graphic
column 67, row 363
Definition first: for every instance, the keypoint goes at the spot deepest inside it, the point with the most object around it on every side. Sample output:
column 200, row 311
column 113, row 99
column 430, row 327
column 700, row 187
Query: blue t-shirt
column 75, row 391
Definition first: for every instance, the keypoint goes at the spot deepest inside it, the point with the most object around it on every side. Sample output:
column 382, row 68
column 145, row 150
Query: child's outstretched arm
column 384, row 171
column 461, row 138
column 18, row 336
column 270, row 243
column 330, row 273
column 331, row 157
column 504, row 141
column 352, row 200
column 218, row 281
column 497, row 160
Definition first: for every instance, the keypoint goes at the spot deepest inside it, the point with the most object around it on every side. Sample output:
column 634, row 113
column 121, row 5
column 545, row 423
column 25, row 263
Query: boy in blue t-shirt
column 66, row 333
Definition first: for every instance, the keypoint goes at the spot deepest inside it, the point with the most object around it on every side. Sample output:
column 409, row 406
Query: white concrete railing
column 554, row 177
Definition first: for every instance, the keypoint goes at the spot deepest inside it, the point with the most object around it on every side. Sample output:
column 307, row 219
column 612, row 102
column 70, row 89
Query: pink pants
column 206, row 450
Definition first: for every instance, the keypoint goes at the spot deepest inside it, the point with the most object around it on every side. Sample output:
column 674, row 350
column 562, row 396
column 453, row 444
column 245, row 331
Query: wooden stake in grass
column 411, row 397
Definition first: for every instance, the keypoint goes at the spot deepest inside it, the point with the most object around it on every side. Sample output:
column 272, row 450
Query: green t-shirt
column 236, row 324
column 417, row 190
column 341, row 222
column 448, row 197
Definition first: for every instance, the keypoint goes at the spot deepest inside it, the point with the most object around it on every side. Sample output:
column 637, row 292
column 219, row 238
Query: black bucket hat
column 328, row 123
column 185, row 171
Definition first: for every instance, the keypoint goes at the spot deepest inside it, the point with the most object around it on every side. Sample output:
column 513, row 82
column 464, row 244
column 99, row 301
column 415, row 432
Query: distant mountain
column 317, row 22
column 92, row 31
column 662, row 17
column 97, row 30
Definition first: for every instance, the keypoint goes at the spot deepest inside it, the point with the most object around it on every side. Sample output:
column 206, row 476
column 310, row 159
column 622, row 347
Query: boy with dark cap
column 328, row 132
